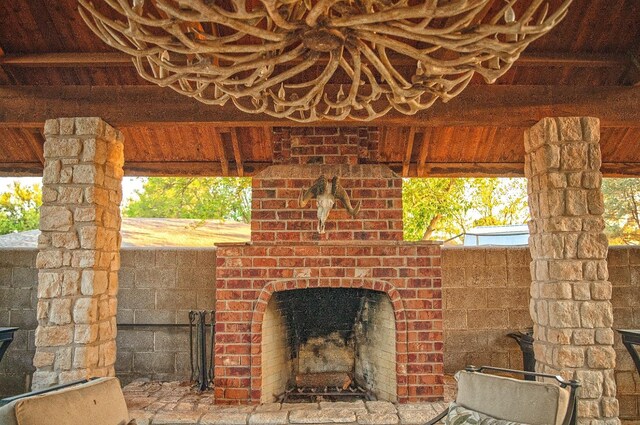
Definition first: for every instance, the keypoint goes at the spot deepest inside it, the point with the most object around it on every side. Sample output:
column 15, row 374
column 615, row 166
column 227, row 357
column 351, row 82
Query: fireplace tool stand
column 201, row 361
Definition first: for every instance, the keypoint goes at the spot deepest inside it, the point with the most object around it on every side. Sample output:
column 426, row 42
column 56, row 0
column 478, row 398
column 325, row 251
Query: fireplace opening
column 329, row 343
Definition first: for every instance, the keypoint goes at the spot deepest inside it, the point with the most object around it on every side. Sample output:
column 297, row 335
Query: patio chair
column 483, row 396
column 95, row 402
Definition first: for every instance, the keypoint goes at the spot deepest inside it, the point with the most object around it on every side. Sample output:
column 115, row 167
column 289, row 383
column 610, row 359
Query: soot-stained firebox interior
column 329, row 343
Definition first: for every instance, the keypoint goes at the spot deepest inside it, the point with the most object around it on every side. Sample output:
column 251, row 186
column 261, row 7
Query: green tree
column 499, row 202
column 221, row 198
column 622, row 210
column 19, row 208
column 431, row 205
column 444, row 208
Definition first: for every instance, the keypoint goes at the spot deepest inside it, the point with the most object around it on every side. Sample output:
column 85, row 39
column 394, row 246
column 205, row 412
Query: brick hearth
column 367, row 252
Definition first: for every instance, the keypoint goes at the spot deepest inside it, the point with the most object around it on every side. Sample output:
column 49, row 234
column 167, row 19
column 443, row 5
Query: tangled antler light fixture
column 308, row 60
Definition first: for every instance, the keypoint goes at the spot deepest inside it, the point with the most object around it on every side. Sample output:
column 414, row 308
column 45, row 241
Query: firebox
column 329, row 343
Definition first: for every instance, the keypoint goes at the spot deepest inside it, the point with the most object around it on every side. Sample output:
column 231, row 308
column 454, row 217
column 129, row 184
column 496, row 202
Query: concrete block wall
column 624, row 273
column 485, row 294
column 159, row 287
column 487, row 272
column 18, row 301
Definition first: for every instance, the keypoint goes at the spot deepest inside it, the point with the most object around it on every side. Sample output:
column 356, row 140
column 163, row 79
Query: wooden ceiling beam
column 579, row 60
column 236, row 152
column 504, row 169
column 63, row 60
column 620, row 169
column 527, row 59
column 20, row 169
column 477, row 105
column 187, row 169
column 208, row 168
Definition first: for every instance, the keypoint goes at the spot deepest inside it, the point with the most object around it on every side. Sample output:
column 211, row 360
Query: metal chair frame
column 43, row 391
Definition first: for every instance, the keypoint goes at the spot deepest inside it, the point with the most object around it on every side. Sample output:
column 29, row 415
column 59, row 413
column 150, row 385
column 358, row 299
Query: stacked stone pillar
column 78, row 257
column 570, row 291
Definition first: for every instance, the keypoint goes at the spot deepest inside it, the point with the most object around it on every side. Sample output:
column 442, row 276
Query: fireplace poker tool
column 201, row 362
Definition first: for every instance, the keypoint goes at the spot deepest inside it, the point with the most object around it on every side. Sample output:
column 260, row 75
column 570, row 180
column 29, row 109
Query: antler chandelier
column 308, row 60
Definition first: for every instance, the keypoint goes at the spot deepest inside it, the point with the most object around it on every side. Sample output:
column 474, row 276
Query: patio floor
column 167, row 403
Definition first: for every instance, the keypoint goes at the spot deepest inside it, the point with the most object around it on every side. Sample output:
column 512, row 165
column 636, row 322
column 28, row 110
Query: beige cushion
column 458, row 415
column 99, row 402
column 8, row 414
column 528, row 402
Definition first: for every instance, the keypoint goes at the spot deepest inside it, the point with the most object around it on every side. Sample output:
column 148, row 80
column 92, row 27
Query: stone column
column 570, row 292
column 79, row 254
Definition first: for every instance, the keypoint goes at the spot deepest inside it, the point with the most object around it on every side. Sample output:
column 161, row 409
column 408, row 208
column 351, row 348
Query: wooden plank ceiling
column 52, row 65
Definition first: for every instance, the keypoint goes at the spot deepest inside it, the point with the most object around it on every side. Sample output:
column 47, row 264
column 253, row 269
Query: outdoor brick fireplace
column 385, row 324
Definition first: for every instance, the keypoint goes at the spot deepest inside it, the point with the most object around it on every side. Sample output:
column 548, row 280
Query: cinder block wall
column 18, row 301
column 624, row 273
column 162, row 284
column 158, row 286
column 486, row 295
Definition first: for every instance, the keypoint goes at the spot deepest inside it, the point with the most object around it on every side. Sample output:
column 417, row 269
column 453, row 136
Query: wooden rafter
column 479, row 105
column 266, row 133
column 236, row 151
column 35, row 142
column 218, row 144
column 424, row 152
column 4, row 74
column 632, row 75
column 409, row 150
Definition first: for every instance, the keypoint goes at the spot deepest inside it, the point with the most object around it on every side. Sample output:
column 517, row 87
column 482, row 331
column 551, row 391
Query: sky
column 129, row 184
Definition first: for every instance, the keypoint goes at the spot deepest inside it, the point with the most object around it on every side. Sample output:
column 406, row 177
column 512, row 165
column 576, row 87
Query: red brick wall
column 325, row 145
column 277, row 217
column 248, row 275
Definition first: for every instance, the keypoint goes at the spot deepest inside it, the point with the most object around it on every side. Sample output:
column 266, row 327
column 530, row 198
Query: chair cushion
column 458, row 415
column 529, row 402
column 8, row 414
column 99, row 402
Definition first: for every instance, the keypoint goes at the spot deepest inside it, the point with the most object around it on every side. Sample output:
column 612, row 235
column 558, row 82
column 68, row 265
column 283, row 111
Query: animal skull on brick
column 326, row 193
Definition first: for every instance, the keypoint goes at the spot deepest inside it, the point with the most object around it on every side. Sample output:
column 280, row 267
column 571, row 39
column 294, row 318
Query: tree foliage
column 221, row 198
column 432, row 204
column 622, row 210
column 498, row 202
column 443, row 208
column 19, row 208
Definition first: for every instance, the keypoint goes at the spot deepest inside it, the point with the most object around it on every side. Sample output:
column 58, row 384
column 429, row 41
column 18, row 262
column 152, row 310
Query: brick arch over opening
column 270, row 288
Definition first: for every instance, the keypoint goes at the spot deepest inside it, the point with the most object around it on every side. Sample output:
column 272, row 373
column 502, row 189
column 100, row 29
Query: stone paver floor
column 169, row 403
